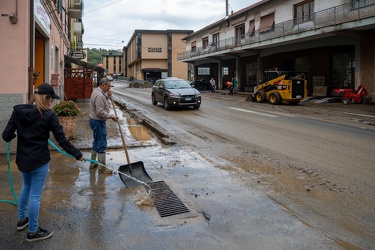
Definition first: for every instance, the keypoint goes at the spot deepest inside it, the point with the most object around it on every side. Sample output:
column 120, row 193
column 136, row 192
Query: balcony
column 79, row 45
column 78, row 28
column 75, row 11
column 332, row 17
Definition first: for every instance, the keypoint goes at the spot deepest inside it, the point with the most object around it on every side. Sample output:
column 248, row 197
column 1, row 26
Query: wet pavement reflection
column 90, row 210
column 87, row 209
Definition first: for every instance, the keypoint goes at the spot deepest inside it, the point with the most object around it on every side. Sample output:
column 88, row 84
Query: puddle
column 139, row 132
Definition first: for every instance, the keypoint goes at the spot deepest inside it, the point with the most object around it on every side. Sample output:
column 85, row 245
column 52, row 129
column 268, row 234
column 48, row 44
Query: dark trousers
column 230, row 90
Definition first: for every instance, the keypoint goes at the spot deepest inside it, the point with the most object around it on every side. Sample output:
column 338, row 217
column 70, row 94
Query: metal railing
column 334, row 16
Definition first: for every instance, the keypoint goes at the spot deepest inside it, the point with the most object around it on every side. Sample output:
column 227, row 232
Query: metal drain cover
column 166, row 202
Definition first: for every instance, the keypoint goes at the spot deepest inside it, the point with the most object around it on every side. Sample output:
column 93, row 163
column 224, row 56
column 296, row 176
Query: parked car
column 200, row 85
column 175, row 92
column 110, row 77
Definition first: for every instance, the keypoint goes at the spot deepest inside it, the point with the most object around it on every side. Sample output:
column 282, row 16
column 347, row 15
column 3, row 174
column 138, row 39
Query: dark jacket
column 33, row 131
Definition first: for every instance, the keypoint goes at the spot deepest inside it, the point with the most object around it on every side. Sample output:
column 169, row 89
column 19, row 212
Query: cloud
column 107, row 24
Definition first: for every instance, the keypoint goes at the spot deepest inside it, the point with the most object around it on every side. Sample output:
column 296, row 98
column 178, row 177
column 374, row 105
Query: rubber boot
column 102, row 160
column 93, row 157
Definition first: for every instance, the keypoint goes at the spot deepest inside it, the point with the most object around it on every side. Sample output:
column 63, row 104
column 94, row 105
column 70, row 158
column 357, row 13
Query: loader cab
column 272, row 74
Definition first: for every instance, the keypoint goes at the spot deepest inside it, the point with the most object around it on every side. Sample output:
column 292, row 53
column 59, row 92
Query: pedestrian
column 228, row 83
column 235, row 85
column 230, row 87
column 213, row 85
column 99, row 114
column 32, row 124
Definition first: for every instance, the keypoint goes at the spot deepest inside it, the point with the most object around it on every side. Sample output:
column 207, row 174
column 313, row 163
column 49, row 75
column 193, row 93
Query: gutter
column 31, row 50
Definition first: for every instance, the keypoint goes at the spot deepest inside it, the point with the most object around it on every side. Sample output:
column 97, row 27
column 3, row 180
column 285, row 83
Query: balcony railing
column 75, row 11
column 325, row 18
column 79, row 45
column 78, row 28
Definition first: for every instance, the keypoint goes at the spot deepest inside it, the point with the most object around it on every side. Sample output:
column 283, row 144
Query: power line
column 107, row 45
column 99, row 38
column 101, row 7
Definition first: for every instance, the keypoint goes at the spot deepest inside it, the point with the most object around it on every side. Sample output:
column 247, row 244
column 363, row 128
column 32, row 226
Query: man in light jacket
column 99, row 114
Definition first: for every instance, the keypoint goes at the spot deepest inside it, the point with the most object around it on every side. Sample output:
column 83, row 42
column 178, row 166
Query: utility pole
column 226, row 7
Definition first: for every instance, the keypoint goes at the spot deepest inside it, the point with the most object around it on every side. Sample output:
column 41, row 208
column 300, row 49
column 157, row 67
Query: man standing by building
column 99, row 113
column 213, row 85
column 235, row 85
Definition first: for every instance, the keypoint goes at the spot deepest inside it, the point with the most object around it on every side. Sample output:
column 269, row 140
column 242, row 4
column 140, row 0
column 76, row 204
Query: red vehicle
column 352, row 96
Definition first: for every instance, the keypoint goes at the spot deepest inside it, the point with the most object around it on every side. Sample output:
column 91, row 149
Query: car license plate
column 187, row 99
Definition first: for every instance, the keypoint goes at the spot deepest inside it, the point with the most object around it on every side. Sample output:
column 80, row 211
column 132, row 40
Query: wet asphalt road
column 87, row 210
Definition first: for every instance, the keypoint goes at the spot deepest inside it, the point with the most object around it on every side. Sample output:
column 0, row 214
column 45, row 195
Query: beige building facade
column 113, row 63
column 152, row 54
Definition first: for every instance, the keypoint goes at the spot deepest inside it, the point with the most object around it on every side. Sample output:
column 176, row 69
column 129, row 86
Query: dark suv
column 175, row 92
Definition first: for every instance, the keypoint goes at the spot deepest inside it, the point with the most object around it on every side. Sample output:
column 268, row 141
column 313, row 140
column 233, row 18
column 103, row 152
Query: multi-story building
column 113, row 63
column 331, row 42
column 152, row 54
column 36, row 37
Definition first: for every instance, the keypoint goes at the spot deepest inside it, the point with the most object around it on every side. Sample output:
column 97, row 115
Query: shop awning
column 266, row 22
column 83, row 64
column 251, row 27
column 154, row 70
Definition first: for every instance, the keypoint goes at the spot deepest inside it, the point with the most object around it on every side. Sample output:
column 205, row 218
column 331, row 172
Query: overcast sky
column 110, row 24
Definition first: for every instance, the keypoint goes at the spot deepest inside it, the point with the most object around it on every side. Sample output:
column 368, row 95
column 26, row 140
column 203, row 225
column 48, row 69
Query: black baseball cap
column 46, row 89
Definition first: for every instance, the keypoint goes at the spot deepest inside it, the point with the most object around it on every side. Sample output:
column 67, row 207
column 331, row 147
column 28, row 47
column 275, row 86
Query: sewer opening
column 166, row 201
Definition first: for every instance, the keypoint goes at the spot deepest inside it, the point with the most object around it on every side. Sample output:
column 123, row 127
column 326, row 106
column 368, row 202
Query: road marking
column 371, row 116
column 253, row 112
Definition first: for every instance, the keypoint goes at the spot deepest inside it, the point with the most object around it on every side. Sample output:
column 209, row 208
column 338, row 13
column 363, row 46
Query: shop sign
column 154, row 49
column 42, row 17
column 78, row 54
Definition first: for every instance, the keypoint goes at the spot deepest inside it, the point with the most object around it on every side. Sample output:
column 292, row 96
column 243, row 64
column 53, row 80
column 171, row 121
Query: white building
column 331, row 42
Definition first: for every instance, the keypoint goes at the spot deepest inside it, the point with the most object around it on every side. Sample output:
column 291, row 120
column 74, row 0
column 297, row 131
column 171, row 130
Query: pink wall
column 14, row 50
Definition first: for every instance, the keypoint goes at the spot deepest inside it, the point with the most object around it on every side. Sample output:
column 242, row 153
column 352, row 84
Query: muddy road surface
column 253, row 176
column 315, row 160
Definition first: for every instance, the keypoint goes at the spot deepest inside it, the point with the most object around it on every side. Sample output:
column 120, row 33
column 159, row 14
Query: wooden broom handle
column 122, row 135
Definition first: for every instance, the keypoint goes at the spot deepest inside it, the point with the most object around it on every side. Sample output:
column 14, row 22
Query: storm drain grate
column 166, row 202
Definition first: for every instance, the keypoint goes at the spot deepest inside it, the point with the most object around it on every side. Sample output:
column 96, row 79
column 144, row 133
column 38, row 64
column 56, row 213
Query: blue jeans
column 31, row 193
column 100, row 135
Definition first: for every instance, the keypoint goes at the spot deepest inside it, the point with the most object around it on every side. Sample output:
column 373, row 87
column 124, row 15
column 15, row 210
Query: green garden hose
column 10, row 179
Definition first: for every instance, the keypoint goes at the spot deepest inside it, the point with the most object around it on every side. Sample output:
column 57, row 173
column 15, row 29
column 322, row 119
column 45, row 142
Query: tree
column 94, row 55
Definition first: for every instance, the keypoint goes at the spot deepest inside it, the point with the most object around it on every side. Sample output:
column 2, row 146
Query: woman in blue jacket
column 32, row 124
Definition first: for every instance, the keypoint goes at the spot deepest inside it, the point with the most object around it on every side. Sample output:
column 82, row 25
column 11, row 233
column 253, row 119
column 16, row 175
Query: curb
column 162, row 134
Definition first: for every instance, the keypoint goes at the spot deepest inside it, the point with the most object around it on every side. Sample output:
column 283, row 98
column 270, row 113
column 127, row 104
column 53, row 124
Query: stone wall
column 7, row 101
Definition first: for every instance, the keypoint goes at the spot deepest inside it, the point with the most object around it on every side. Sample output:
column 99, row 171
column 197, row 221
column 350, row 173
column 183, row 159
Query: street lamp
column 117, row 44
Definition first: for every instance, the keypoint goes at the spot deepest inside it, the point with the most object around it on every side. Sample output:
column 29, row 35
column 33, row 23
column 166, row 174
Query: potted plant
column 68, row 112
column 35, row 76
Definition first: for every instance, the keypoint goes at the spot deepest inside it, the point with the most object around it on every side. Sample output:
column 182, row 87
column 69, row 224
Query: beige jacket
column 99, row 105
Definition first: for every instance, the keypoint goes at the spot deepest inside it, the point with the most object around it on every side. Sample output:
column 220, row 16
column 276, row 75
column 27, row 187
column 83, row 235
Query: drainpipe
column 31, row 50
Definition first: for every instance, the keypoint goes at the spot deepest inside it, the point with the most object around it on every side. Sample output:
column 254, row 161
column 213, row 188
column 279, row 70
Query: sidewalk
column 83, row 140
column 316, row 107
